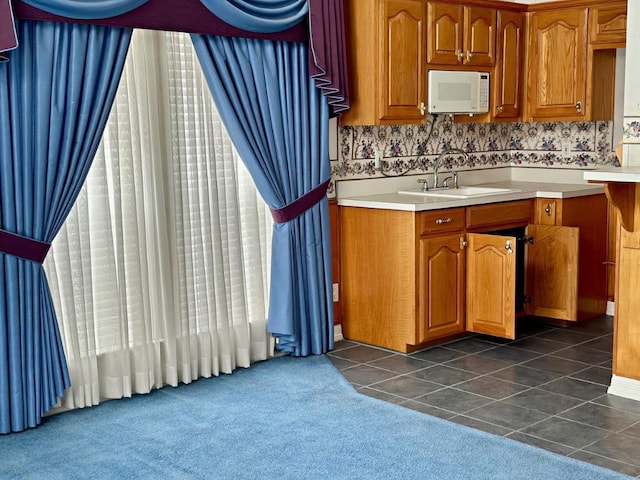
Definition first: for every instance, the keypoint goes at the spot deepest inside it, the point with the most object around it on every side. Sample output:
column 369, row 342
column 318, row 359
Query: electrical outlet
column 335, row 292
column 566, row 150
column 376, row 160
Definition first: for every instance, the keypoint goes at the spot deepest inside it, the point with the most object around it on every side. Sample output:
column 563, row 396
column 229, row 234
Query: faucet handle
column 425, row 184
column 455, row 179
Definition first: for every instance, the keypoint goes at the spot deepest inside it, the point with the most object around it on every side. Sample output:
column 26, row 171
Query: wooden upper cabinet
column 608, row 25
column 479, row 36
column 557, row 68
column 460, row 35
column 402, row 78
column 444, row 42
column 386, row 51
column 508, row 78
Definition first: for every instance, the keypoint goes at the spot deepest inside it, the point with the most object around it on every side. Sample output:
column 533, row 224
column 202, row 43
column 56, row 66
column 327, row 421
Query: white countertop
column 614, row 174
column 395, row 201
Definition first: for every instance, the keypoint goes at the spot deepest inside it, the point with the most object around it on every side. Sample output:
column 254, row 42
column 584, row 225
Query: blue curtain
column 86, row 9
column 55, row 97
column 264, row 16
column 278, row 121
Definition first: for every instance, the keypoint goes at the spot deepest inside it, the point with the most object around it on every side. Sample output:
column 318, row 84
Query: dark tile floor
column 547, row 388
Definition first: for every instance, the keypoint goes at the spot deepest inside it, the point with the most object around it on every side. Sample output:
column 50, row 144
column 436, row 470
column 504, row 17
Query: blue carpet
column 287, row 418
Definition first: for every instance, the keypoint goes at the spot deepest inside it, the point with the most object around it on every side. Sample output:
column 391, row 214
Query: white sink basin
column 462, row 192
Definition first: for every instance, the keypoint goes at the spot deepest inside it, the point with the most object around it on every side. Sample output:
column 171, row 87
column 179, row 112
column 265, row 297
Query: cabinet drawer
column 494, row 214
column 441, row 221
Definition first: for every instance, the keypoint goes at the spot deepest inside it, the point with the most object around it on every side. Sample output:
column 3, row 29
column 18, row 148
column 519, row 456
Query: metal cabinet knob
column 508, row 247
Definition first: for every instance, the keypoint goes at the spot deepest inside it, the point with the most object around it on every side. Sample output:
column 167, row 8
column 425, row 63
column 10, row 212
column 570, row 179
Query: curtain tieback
column 23, row 247
column 300, row 204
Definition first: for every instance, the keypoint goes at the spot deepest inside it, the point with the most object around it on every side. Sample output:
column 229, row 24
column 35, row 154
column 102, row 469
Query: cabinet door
column 444, row 36
column 557, row 64
column 479, row 36
column 509, row 65
column 441, row 287
column 552, row 271
column 402, row 76
column 491, row 285
column 608, row 24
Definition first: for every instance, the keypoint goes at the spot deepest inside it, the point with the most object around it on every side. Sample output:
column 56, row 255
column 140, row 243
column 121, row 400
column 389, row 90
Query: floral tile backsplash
column 413, row 149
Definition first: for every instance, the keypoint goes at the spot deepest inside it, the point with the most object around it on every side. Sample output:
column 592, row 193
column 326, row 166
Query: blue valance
column 264, row 16
column 86, row 9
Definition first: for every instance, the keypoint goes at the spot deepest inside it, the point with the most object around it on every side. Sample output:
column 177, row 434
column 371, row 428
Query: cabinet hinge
column 527, row 239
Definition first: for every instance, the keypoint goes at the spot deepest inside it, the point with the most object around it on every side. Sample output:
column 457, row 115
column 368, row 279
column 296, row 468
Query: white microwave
column 457, row 92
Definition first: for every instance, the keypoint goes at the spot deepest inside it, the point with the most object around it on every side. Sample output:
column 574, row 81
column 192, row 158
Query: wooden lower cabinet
column 491, row 285
column 441, row 287
column 552, row 272
column 411, row 278
column 589, row 214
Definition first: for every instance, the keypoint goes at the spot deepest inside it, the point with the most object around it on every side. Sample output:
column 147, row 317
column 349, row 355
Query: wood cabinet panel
column 403, row 81
column 479, row 36
column 508, row 78
column 441, row 287
column 503, row 214
column 460, row 35
column 589, row 214
column 546, row 211
column 608, row 24
column 626, row 349
column 378, row 304
column 386, row 50
column 445, row 25
column 491, row 285
column 552, row 271
column 558, row 64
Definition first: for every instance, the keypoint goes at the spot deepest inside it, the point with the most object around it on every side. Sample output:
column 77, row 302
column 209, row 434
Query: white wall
column 631, row 152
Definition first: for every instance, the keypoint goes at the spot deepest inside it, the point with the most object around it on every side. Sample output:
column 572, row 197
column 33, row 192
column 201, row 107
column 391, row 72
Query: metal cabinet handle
column 469, row 56
column 500, row 108
column 463, row 243
column 579, row 107
column 440, row 221
column 460, row 55
column 508, row 247
column 547, row 209
column 423, row 108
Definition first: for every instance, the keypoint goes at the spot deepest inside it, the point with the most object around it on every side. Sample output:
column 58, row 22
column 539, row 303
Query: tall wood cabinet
column 557, row 66
column 508, row 74
column 386, row 52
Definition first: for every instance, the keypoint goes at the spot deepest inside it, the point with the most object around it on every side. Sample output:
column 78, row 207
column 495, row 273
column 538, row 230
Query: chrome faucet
column 436, row 166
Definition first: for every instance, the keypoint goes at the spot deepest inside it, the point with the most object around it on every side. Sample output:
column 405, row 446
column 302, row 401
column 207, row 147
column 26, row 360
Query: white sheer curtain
column 160, row 274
